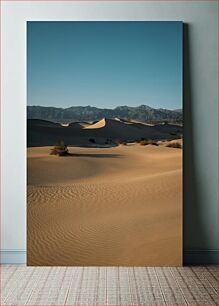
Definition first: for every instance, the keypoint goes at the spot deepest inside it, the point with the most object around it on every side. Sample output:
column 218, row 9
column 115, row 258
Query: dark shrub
column 148, row 142
column 144, row 142
column 108, row 141
column 92, row 140
column 175, row 145
column 118, row 142
column 60, row 149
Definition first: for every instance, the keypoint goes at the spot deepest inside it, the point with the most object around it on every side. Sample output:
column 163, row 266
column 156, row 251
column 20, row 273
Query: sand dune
column 76, row 125
column 43, row 123
column 114, row 206
column 44, row 133
column 79, row 125
column 168, row 128
column 97, row 125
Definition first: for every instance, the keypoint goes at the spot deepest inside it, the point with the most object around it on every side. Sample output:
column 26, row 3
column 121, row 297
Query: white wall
column 200, row 212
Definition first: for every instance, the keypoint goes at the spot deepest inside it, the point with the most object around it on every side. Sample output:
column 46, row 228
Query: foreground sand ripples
column 127, row 210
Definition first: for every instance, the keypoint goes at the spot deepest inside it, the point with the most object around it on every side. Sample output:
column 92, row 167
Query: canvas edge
column 190, row 257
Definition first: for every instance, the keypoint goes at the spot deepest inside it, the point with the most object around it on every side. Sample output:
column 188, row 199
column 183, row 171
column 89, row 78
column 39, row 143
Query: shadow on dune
column 93, row 155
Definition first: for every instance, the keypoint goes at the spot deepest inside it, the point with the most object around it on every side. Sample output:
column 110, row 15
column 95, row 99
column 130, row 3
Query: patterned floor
column 79, row 286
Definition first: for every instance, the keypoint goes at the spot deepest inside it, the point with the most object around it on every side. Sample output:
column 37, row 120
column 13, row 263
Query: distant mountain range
column 142, row 113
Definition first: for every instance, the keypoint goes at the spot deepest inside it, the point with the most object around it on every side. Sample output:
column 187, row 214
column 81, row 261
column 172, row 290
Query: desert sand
column 112, row 206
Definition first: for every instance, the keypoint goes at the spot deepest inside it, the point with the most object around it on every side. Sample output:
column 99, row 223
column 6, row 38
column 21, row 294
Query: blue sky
column 104, row 64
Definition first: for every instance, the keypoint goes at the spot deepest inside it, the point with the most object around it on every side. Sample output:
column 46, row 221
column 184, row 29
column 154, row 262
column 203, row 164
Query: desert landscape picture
column 104, row 143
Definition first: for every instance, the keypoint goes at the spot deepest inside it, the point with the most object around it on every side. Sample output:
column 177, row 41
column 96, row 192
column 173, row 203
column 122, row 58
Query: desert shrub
column 174, row 145
column 118, row 141
column 108, row 141
column 148, row 142
column 144, row 142
column 139, row 140
column 60, row 149
column 92, row 140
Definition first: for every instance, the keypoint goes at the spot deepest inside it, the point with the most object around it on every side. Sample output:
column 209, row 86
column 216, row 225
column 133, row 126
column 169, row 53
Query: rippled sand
column 112, row 206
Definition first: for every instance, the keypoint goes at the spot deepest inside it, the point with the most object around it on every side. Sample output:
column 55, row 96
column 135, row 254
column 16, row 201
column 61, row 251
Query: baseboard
column 190, row 257
column 200, row 257
column 12, row 256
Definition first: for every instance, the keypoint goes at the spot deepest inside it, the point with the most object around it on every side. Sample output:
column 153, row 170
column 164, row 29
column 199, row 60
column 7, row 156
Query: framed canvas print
column 104, row 143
